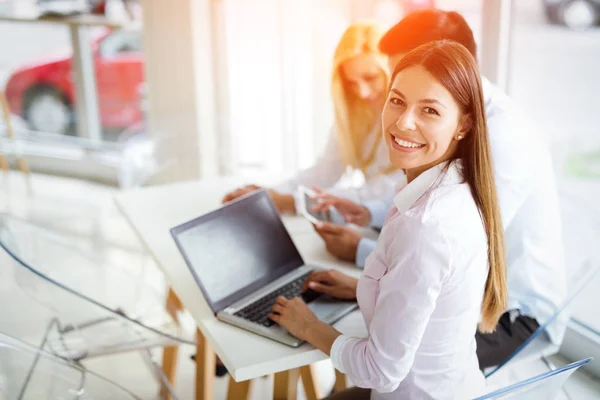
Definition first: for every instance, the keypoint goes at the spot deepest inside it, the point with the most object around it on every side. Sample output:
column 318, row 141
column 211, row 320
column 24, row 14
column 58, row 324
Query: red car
column 43, row 93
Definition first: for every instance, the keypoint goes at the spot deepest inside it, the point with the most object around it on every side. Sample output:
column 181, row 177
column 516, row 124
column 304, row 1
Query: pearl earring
column 459, row 137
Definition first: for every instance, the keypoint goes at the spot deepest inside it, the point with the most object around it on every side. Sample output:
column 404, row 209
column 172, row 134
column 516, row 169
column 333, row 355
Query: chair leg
column 340, row 382
column 548, row 363
column 238, row 390
column 167, row 391
column 552, row 367
column 205, row 368
column 286, row 385
column 309, row 382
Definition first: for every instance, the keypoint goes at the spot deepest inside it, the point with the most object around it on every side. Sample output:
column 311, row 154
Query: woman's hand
column 283, row 202
column 239, row 193
column 332, row 283
column 294, row 315
column 353, row 213
column 341, row 241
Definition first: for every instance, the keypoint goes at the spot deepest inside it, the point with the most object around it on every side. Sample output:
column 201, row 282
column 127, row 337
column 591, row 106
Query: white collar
column 412, row 192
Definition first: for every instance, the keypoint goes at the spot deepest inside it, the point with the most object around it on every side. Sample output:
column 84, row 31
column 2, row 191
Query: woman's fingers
column 321, row 288
column 319, row 276
column 321, row 206
column 277, row 308
column 274, row 317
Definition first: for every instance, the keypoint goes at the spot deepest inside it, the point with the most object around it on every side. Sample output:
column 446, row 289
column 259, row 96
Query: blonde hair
column 354, row 120
column 455, row 68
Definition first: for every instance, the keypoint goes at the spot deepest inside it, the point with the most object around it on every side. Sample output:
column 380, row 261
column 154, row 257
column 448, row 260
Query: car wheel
column 578, row 14
column 46, row 110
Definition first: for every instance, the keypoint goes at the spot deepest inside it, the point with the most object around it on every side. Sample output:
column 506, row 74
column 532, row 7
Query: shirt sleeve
column 418, row 261
column 327, row 170
column 514, row 162
column 365, row 247
column 378, row 210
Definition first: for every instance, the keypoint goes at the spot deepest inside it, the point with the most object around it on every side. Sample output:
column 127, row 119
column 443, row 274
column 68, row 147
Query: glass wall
column 64, row 122
column 554, row 77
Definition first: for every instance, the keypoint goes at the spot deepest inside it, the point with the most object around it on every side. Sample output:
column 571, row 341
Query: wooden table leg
column 170, row 354
column 340, row 382
column 286, row 385
column 169, row 367
column 309, row 381
column 205, row 368
column 3, row 164
column 10, row 133
column 238, row 390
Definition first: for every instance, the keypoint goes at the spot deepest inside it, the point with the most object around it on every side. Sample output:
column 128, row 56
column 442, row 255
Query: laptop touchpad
column 327, row 308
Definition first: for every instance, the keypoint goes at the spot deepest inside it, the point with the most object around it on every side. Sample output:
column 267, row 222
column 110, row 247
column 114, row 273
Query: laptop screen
column 237, row 249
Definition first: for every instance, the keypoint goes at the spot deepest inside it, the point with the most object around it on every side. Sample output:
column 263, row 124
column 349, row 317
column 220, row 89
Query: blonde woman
column 359, row 84
column 438, row 271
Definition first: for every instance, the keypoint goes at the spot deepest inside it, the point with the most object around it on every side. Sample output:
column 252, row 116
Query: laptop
column 242, row 258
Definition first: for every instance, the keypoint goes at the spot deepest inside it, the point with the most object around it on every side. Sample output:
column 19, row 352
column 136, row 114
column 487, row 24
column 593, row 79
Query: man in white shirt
column 526, row 191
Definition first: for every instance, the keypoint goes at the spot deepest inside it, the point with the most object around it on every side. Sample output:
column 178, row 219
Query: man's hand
column 353, row 213
column 340, row 241
column 332, row 283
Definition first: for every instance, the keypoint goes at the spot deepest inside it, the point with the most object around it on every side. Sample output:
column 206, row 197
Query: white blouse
column 421, row 295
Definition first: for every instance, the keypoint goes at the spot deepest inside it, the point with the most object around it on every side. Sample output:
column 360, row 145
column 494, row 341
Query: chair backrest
column 587, row 273
column 581, row 230
column 542, row 387
column 30, row 373
column 58, row 298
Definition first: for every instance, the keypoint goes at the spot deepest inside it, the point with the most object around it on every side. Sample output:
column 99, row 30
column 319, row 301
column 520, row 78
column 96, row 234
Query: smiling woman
column 438, row 271
column 422, row 124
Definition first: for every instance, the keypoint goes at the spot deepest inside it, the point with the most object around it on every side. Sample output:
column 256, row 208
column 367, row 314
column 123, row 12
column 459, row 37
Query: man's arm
column 378, row 210
column 365, row 247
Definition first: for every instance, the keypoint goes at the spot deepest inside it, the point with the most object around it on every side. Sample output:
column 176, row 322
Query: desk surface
column 153, row 211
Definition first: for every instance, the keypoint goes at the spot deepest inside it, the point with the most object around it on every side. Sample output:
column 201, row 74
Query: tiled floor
column 86, row 210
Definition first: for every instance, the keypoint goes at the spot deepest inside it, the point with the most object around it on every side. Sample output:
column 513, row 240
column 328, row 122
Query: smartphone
column 306, row 204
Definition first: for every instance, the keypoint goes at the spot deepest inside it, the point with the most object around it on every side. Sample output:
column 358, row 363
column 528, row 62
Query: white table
column 153, row 211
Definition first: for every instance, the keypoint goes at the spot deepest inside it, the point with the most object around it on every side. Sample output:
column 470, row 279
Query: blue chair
column 27, row 372
column 60, row 297
column 542, row 387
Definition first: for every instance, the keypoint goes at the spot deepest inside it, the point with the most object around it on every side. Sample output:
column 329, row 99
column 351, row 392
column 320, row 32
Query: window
column 37, row 74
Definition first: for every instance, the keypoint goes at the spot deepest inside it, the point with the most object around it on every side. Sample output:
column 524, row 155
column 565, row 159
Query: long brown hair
column 456, row 69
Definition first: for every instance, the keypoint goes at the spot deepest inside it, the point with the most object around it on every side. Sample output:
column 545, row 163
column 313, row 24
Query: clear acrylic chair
column 581, row 230
column 65, row 300
column 542, row 387
column 26, row 372
column 538, row 345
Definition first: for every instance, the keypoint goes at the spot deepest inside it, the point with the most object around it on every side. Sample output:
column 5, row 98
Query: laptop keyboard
column 259, row 310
